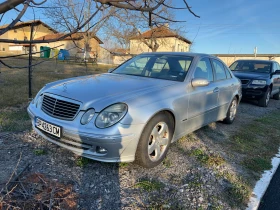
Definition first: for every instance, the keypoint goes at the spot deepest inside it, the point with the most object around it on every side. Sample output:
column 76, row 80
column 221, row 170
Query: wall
column 231, row 58
column 69, row 45
column 170, row 44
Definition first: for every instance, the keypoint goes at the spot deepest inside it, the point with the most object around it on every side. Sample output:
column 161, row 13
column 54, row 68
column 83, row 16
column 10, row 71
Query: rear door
column 224, row 84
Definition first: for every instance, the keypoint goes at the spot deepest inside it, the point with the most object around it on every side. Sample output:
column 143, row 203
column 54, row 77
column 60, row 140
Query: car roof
column 267, row 61
column 179, row 53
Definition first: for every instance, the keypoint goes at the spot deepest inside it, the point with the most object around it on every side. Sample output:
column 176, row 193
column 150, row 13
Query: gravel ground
column 181, row 182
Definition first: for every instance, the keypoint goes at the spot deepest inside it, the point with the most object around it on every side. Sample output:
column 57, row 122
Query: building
column 167, row 40
column 21, row 31
column 74, row 43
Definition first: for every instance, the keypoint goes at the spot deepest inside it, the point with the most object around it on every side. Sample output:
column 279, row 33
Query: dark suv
column 260, row 79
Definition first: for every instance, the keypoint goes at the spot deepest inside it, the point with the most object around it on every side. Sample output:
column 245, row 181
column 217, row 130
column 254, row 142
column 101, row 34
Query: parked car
column 260, row 79
column 136, row 110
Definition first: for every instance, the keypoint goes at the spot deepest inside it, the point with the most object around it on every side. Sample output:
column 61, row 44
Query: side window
column 219, row 70
column 275, row 66
column 204, row 70
column 227, row 72
column 278, row 66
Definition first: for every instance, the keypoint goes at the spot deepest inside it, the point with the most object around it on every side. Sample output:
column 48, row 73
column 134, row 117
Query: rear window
column 251, row 66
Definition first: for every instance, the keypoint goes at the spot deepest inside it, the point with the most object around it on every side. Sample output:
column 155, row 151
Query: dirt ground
column 183, row 181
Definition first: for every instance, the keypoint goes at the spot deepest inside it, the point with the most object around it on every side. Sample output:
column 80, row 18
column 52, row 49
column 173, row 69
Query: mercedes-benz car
column 134, row 112
column 260, row 79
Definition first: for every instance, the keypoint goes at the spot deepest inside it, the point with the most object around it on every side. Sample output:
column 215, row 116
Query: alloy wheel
column 158, row 141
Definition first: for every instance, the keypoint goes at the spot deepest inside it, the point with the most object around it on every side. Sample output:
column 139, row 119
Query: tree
column 133, row 25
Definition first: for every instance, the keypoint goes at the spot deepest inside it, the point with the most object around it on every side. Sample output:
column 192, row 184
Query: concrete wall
column 231, row 58
column 170, row 44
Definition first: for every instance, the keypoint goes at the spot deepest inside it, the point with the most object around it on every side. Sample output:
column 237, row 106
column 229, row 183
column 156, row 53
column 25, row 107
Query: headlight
column 258, row 82
column 35, row 100
column 111, row 115
column 39, row 101
column 87, row 116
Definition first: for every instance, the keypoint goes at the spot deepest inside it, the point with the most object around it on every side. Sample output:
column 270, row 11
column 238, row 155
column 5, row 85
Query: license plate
column 48, row 127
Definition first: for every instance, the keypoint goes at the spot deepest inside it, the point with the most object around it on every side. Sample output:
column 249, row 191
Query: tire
column 231, row 113
column 277, row 95
column 263, row 102
column 155, row 140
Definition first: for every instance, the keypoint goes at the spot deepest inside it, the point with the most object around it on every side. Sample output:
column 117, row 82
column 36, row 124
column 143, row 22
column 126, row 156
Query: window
column 227, row 72
column 252, row 66
column 185, row 64
column 219, row 70
column 160, row 66
column 204, row 70
column 25, row 38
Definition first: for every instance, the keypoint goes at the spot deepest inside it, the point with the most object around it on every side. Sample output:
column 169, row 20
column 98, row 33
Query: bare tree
column 133, row 25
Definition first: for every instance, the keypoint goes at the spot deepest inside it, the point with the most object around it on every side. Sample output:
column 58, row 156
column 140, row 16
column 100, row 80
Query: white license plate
column 49, row 128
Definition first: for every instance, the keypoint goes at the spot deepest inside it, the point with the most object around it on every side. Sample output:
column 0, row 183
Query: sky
column 224, row 26
column 236, row 26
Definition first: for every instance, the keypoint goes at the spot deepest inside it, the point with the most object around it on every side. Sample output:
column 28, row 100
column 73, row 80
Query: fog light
column 101, row 150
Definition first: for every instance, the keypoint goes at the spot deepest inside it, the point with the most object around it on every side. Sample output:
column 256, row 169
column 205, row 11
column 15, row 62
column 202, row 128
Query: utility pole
column 255, row 51
column 29, row 64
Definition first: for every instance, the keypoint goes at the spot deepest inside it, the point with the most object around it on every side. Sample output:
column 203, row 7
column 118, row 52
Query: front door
column 203, row 101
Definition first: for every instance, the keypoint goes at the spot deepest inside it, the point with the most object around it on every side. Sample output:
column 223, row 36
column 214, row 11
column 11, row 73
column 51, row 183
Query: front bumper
column 253, row 92
column 120, row 140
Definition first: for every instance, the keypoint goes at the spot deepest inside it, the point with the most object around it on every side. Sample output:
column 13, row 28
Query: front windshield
column 251, row 66
column 159, row 66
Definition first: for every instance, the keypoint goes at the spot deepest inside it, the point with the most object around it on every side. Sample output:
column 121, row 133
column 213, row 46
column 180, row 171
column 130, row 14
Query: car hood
column 99, row 91
column 250, row 75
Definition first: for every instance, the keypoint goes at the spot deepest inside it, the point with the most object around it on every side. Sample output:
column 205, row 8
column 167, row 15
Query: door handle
column 216, row 90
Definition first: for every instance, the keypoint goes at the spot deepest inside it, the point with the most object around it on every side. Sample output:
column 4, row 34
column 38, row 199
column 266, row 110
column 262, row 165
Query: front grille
column 245, row 81
column 59, row 108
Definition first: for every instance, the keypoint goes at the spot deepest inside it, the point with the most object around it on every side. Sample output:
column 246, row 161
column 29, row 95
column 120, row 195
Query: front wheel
column 263, row 102
column 231, row 113
column 155, row 140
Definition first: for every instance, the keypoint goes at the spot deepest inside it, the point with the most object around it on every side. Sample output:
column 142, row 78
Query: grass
column 149, row 185
column 83, row 162
column 258, row 142
column 167, row 162
column 209, row 160
column 14, row 120
column 39, row 152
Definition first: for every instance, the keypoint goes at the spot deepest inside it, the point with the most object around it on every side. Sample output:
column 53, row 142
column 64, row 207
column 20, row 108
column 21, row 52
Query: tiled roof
column 160, row 32
column 28, row 23
column 75, row 36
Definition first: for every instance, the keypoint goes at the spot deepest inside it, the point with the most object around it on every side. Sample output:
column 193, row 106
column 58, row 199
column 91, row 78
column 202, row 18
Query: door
column 224, row 85
column 275, row 79
column 202, row 100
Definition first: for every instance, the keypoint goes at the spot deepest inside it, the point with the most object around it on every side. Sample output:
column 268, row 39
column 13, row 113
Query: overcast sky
column 225, row 26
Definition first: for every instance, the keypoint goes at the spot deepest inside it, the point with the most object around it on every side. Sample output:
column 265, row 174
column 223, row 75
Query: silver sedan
column 134, row 112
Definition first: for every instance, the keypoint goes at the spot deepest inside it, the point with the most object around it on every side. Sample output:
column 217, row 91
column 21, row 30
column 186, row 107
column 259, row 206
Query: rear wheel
column 231, row 113
column 277, row 95
column 265, row 99
column 155, row 140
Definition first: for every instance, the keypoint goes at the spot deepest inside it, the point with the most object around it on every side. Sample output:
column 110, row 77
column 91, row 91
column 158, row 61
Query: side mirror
column 199, row 82
column 277, row 72
column 110, row 70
